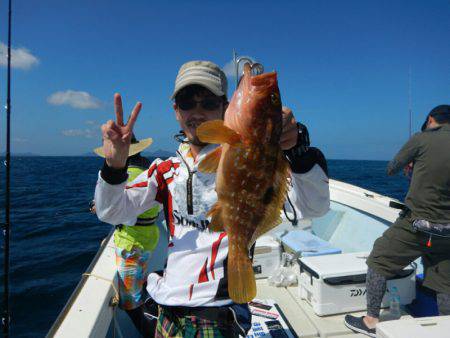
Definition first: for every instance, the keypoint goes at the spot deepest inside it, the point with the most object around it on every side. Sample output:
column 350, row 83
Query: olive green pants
column 400, row 245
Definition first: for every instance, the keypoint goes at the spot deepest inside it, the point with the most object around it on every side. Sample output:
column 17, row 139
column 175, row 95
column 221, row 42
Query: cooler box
column 337, row 283
column 432, row 327
column 266, row 257
column 306, row 244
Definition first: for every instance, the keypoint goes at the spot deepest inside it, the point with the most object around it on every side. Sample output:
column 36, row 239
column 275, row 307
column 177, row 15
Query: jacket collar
column 445, row 126
column 184, row 153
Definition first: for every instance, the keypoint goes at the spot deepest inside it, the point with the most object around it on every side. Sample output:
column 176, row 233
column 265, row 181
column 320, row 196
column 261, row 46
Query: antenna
column 236, row 68
column 7, row 226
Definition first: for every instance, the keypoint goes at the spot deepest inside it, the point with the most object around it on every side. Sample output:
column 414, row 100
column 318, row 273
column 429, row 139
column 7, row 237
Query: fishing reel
column 303, row 141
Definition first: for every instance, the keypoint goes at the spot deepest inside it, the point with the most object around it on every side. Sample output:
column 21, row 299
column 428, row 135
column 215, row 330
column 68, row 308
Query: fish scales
column 252, row 172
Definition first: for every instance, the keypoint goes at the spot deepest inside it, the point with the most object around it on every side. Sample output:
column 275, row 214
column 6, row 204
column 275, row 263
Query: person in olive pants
column 427, row 203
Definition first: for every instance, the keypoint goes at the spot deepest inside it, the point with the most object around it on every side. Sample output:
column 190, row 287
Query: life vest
column 144, row 234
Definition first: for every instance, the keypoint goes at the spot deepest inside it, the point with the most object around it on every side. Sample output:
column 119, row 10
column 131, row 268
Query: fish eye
column 275, row 99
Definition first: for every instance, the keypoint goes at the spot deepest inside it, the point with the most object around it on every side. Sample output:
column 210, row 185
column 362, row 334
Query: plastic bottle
column 394, row 306
column 285, row 274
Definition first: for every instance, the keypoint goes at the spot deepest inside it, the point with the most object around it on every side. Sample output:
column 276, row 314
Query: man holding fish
column 217, row 199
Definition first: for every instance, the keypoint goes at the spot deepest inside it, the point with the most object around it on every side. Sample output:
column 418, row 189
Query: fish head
column 254, row 111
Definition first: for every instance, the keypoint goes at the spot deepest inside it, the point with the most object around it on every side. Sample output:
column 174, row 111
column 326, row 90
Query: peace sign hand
column 117, row 136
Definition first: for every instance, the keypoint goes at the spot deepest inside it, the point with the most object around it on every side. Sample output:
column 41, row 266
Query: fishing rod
column 7, row 225
column 409, row 102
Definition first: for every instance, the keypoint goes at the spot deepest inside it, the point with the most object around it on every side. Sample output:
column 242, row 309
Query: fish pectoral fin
column 263, row 228
column 268, row 195
column 211, row 161
column 217, row 133
column 216, row 223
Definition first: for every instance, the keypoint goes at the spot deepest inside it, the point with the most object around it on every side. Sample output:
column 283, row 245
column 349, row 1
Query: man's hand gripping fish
column 252, row 173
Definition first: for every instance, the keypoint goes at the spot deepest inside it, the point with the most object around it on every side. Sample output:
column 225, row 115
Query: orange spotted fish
column 252, row 173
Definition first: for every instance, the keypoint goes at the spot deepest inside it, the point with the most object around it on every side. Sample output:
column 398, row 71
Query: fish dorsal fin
column 210, row 162
column 217, row 133
column 215, row 212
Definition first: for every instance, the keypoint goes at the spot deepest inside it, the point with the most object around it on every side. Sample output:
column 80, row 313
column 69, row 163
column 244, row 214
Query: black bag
column 145, row 318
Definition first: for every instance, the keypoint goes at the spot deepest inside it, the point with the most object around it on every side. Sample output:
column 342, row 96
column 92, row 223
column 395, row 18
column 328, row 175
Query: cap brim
column 210, row 86
column 134, row 148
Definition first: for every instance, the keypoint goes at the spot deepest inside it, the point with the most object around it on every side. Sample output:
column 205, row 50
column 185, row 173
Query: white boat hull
column 357, row 217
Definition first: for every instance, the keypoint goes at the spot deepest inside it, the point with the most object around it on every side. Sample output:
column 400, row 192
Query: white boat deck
column 302, row 317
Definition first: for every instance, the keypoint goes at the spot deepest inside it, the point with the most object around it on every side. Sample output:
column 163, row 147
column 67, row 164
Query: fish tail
column 241, row 280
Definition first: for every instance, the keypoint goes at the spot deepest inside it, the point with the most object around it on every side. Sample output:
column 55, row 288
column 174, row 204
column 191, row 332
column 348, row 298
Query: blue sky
column 343, row 66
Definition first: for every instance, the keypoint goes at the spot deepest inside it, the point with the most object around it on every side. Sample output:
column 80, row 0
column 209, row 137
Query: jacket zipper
column 190, row 205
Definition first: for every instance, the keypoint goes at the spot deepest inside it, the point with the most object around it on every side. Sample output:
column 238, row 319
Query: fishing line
column 7, row 225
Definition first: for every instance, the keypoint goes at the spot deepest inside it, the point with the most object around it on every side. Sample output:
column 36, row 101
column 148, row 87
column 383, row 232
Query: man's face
column 432, row 123
column 191, row 111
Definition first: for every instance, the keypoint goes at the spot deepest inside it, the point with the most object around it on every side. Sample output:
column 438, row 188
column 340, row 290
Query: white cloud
column 230, row 70
column 20, row 57
column 72, row 132
column 75, row 99
column 87, row 133
column 89, row 122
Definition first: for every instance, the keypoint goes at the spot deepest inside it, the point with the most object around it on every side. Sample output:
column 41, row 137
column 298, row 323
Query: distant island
column 161, row 153
column 20, row 154
column 157, row 153
column 89, row 154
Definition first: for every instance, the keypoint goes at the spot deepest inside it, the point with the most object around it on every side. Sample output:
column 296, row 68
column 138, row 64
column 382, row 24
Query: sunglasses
column 209, row 103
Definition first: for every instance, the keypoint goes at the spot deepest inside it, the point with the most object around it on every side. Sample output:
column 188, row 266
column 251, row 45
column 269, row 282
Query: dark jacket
column 429, row 193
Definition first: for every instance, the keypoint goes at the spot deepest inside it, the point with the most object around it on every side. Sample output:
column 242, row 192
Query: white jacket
column 195, row 273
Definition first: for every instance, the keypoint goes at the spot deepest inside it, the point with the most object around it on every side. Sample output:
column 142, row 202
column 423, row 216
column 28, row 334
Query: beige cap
column 134, row 147
column 203, row 73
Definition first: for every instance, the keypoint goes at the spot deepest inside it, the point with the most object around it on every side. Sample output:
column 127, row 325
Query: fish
column 251, row 173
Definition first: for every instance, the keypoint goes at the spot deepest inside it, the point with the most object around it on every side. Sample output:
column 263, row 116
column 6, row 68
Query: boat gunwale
column 84, row 278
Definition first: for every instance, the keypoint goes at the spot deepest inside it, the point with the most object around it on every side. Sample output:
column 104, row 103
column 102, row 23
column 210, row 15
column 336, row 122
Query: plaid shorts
column 132, row 270
column 190, row 327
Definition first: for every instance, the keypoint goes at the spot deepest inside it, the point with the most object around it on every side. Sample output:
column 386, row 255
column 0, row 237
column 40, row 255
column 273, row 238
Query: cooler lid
column 336, row 265
column 307, row 244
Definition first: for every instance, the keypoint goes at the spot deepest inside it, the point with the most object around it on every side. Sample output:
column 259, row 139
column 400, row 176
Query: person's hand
column 407, row 171
column 117, row 136
column 290, row 130
column 92, row 208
